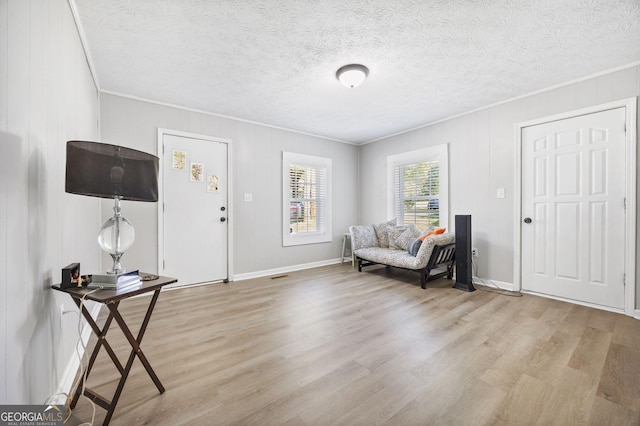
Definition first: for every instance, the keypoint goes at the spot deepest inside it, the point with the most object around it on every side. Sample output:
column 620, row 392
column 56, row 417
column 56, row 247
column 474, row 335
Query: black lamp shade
column 109, row 171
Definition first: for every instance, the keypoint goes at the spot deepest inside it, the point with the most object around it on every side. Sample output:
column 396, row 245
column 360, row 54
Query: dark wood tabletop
column 112, row 295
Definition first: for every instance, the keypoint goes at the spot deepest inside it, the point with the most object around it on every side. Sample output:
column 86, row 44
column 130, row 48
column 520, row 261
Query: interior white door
column 195, row 216
column 573, row 212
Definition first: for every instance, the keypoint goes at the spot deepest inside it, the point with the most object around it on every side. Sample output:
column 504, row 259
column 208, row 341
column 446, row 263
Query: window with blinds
column 306, row 199
column 418, row 187
column 417, row 194
column 307, row 188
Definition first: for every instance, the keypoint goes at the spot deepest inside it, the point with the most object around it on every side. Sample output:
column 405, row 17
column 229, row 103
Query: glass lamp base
column 115, row 237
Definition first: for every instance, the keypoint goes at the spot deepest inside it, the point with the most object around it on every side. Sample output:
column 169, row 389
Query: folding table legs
column 124, row 371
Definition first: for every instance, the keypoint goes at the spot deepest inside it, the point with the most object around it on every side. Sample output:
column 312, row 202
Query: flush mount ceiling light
column 352, row 75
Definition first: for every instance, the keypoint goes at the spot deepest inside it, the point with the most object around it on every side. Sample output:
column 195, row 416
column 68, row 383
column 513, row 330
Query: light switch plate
column 248, row 197
column 500, row 193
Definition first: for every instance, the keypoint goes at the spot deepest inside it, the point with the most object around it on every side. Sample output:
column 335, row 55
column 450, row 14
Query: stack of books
column 114, row 281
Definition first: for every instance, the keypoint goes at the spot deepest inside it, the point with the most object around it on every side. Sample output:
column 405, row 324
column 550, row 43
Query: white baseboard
column 284, row 269
column 69, row 375
column 492, row 283
column 636, row 314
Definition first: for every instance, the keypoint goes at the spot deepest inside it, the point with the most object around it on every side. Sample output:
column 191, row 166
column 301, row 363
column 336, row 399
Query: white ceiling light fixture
column 352, row 75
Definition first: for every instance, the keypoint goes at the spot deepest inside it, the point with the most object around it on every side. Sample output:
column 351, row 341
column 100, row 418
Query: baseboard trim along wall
column 284, row 269
column 492, row 283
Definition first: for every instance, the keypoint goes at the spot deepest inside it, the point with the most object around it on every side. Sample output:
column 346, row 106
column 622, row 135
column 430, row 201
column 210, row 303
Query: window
column 418, row 183
column 306, row 195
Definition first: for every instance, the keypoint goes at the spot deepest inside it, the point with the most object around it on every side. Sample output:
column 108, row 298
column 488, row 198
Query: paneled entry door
column 193, row 223
column 573, row 208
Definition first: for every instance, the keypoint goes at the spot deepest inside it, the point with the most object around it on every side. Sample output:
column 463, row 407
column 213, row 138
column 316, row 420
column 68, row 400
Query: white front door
column 573, row 208
column 194, row 222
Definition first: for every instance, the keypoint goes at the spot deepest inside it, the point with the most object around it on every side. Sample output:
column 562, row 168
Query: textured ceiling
column 274, row 61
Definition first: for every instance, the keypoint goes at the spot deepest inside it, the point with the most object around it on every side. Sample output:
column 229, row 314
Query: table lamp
column 109, row 171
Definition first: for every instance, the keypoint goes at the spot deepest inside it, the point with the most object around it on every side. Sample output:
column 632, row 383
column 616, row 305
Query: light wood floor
column 331, row 346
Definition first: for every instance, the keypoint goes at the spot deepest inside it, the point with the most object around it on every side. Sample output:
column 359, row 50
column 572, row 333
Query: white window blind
column 306, row 199
column 308, row 190
column 417, row 187
column 417, row 193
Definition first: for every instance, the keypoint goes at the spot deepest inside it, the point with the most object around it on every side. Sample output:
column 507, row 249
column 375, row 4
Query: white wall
column 47, row 96
column 482, row 159
column 257, row 162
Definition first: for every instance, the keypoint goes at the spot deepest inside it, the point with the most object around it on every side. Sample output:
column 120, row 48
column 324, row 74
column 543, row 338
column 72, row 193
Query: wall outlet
column 474, row 252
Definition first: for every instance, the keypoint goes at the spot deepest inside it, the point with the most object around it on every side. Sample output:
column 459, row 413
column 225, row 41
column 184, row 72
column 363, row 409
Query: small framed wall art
column 179, row 160
column 197, row 172
column 213, row 183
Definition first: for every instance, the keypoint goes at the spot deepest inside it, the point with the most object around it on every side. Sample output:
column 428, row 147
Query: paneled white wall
column 257, row 162
column 482, row 159
column 47, row 96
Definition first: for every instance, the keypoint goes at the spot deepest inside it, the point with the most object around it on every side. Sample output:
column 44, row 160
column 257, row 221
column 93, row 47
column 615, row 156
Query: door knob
column 223, row 219
column 223, row 208
column 527, row 220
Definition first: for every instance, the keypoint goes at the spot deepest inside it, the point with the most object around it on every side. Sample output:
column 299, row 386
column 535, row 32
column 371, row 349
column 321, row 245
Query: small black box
column 70, row 275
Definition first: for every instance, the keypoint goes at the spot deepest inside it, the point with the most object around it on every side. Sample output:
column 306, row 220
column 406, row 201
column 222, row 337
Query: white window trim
column 438, row 153
column 288, row 239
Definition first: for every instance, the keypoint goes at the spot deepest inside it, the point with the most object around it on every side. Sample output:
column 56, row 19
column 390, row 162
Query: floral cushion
column 393, row 234
column 402, row 241
column 401, row 258
column 427, row 246
column 381, row 230
column 363, row 236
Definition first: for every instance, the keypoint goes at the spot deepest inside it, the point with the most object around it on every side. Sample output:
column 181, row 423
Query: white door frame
column 230, row 221
column 630, row 193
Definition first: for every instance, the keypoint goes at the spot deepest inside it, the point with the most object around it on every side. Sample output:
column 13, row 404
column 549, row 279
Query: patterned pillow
column 405, row 238
column 362, row 237
column 382, row 232
column 429, row 230
column 393, row 235
column 414, row 246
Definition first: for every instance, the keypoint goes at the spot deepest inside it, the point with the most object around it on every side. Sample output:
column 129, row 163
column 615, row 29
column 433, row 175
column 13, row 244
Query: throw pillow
column 414, row 246
column 426, row 231
column 382, row 232
column 393, row 235
column 405, row 238
column 363, row 236
column 434, row 232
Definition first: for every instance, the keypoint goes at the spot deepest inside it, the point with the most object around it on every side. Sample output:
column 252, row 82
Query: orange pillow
column 434, row 232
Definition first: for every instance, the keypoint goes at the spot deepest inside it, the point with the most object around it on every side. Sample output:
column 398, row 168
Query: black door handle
column 223, row 219
column 527, row 220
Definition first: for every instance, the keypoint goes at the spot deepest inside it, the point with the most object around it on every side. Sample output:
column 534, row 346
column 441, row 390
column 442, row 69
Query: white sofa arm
column 424, row 252
column 363, row 236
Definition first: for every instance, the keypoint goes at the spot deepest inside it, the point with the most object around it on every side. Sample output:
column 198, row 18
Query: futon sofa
column 402, row 247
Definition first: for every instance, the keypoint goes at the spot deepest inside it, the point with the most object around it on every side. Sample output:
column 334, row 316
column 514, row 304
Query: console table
column 111, row 299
